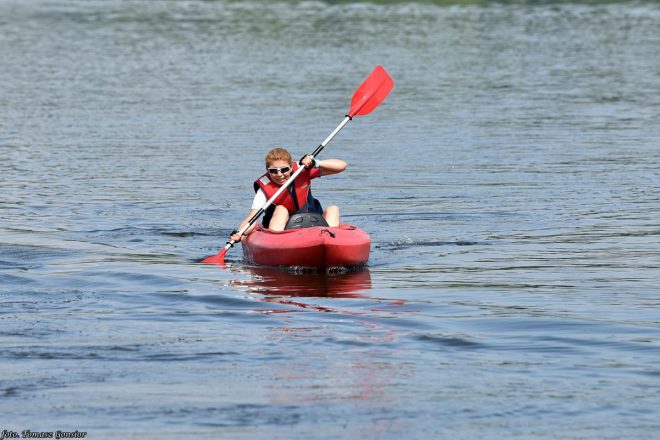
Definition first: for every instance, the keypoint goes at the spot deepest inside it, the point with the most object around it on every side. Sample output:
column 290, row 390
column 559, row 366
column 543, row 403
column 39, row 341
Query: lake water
column 510, row 184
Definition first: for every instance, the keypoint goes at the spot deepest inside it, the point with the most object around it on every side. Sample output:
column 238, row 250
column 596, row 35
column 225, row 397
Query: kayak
column 318, row 247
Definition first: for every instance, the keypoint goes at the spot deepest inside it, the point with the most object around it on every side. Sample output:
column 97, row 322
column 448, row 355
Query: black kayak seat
column 305, row 220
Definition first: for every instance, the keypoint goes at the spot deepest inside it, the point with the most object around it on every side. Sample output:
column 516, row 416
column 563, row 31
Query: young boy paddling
column 297, row 198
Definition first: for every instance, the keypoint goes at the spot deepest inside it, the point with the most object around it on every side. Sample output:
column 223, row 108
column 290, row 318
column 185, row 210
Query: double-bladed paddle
column 366, row 98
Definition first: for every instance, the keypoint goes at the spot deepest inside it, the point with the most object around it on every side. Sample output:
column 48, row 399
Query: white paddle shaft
column 335, row 131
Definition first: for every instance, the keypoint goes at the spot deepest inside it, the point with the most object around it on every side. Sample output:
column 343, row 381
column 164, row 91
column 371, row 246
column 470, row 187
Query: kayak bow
column 318, row 247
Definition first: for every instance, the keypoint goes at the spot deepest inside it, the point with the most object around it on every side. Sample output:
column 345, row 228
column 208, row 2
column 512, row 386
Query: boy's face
column 276, row 171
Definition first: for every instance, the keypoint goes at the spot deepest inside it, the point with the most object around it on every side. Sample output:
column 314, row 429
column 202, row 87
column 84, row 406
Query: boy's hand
column 307, row 161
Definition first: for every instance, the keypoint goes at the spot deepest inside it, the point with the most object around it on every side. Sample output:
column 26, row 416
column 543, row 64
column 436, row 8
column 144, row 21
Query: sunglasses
column 282, row 170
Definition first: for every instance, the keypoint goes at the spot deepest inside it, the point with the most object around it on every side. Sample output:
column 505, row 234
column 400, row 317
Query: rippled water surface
column 510, row 185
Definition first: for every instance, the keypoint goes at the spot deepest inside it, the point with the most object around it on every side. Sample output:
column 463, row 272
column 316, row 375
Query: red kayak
column 318, row 247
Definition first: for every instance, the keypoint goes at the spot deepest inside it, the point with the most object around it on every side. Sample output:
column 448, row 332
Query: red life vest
column 301, row 186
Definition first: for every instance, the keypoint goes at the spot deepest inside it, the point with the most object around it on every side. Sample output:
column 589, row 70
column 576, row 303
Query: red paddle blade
column 216, row 259
column 371, row 92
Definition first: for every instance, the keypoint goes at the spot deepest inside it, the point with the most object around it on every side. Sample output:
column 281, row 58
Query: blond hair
column 277, row 154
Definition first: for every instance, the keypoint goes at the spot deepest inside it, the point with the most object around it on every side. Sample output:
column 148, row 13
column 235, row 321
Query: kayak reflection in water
column 276, row 282
column 297, row 199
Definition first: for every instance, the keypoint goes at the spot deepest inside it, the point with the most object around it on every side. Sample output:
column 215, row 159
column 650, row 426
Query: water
column 510, row 184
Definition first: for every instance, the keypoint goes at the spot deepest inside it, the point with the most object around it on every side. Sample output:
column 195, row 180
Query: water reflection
column 280, row 282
